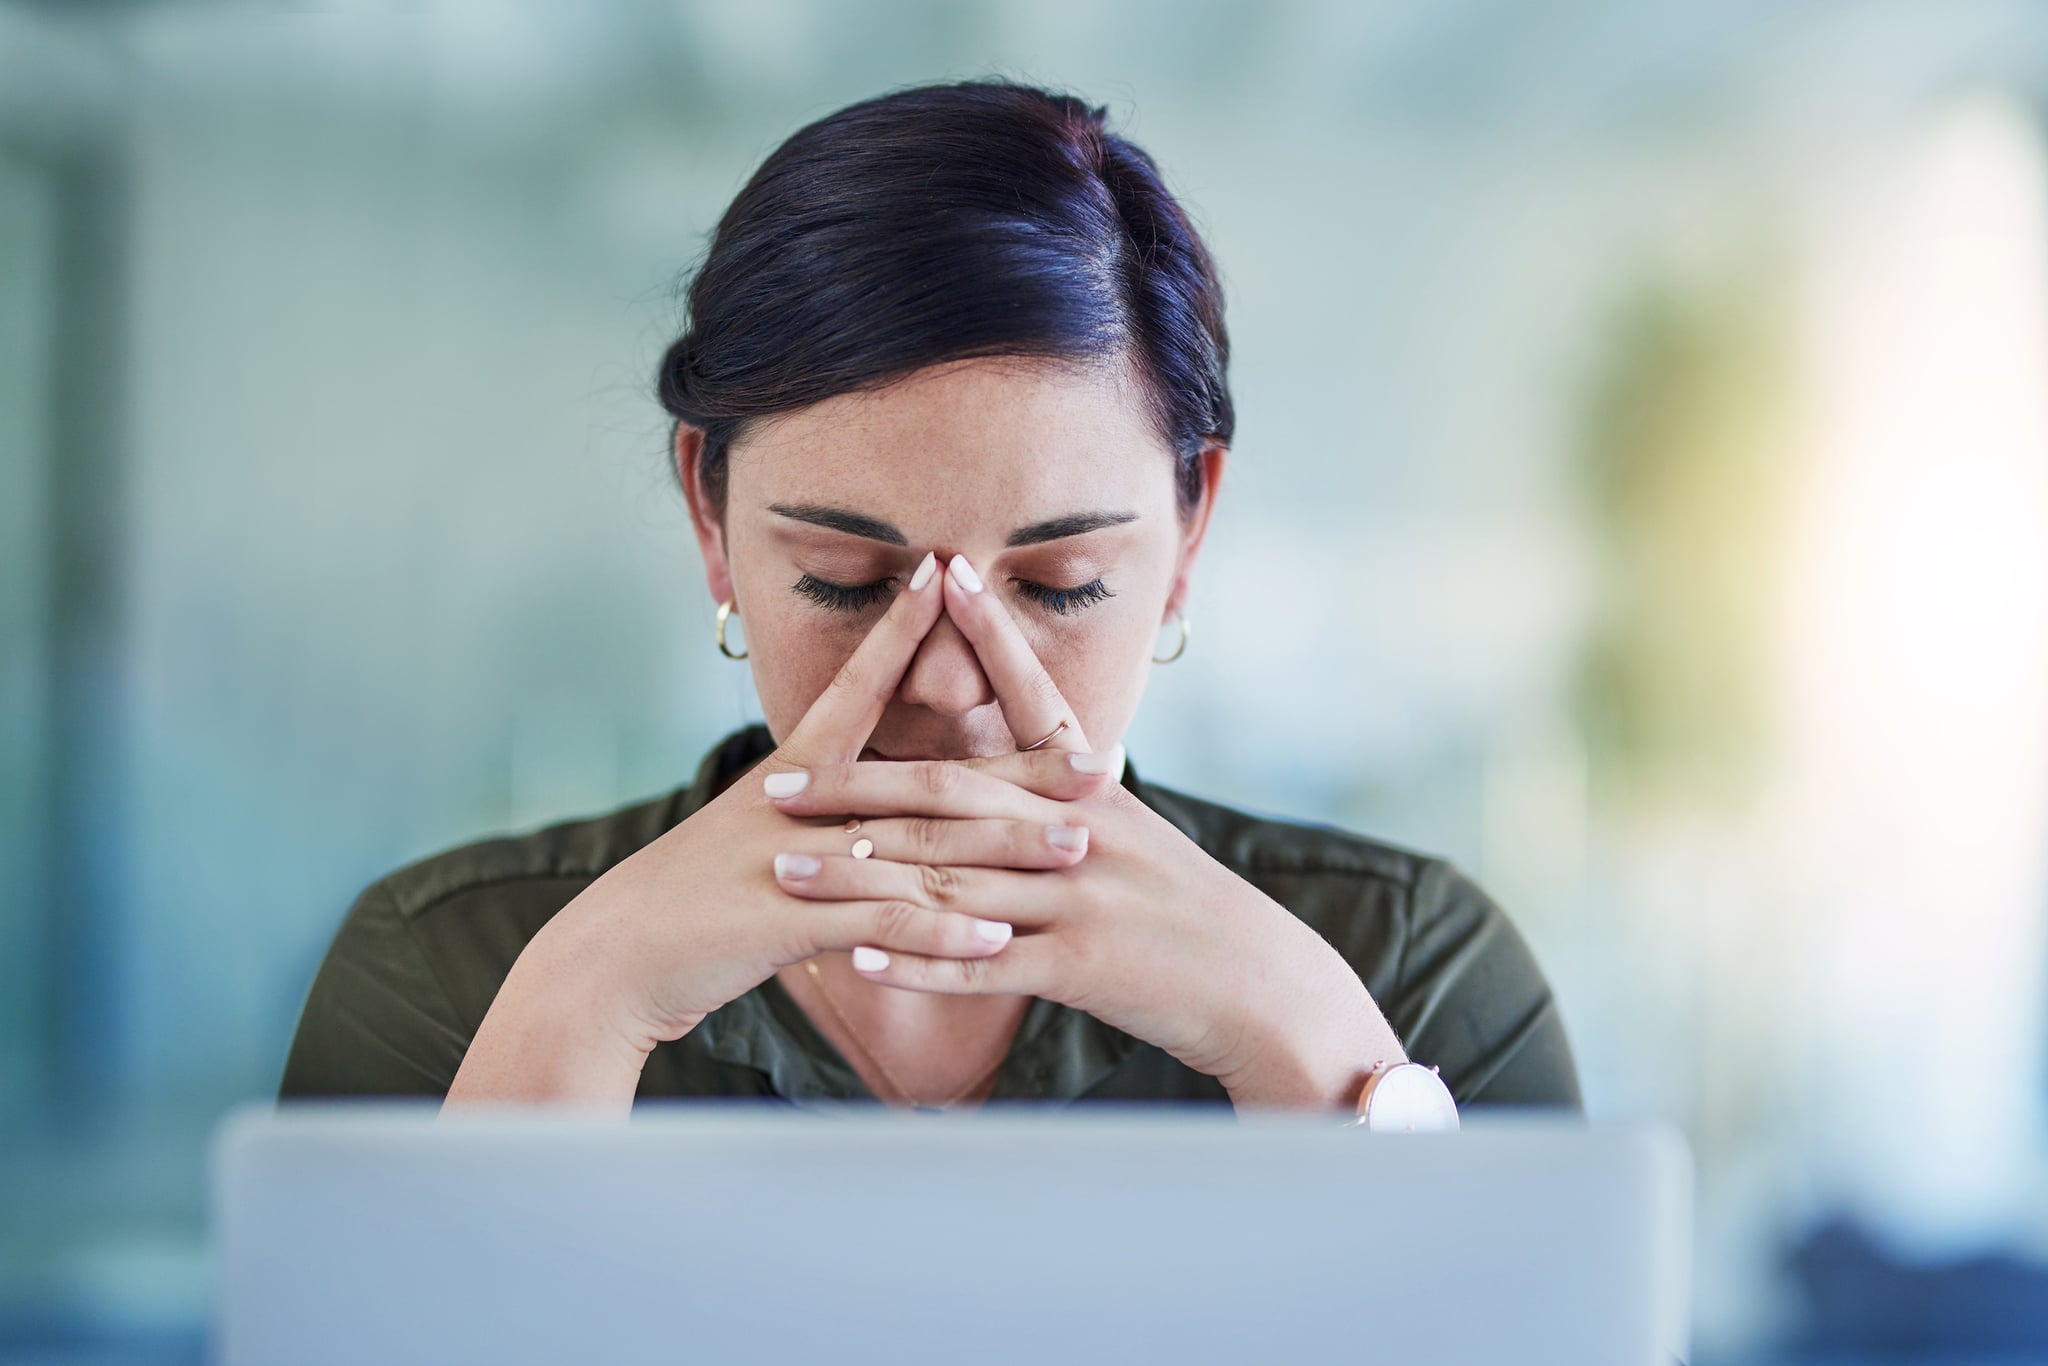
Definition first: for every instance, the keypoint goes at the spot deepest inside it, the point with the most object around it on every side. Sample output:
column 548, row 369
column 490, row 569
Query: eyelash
column 1065, row 600
column 859, row 597
column 839, row 597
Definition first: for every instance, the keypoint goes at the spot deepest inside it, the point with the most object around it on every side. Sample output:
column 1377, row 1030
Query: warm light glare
column 1916, row 692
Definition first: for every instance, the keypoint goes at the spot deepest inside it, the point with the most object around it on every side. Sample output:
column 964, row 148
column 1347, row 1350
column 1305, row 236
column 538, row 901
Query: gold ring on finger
column 851, row 826
column 1055, row 731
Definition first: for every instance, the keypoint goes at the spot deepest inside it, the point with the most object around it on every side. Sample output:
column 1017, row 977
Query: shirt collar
column 1058, row 1053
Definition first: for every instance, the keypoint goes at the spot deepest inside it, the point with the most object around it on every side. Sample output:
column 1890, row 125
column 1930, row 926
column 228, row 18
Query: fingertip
column 929, row 603
column 796, row 867
column 955, row 596
column 786, row 784
column 1068, row 839
column 963, row 575
column 1105, row 763
column 1088, row 784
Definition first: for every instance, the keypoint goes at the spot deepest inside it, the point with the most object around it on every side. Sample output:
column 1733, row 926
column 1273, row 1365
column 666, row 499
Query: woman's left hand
column 1143, row 930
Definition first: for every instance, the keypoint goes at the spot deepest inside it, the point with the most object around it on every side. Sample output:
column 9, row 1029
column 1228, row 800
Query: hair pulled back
column 943, row 222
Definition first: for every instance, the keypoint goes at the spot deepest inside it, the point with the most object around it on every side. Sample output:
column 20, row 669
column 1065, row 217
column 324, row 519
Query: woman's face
column 1051, row 483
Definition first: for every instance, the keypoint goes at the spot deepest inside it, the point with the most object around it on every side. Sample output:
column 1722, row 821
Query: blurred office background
column 1641, row 496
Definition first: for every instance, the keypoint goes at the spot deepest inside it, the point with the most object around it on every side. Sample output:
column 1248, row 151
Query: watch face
column 1412, row 1099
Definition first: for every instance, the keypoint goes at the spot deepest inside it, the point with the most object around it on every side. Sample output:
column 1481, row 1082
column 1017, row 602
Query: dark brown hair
column 938, row 223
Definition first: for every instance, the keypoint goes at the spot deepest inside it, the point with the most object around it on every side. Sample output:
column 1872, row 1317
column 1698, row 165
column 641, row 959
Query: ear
column 1210, row 462
column 689, row 452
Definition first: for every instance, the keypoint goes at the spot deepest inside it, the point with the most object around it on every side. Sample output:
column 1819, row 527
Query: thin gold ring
column 1055, row 731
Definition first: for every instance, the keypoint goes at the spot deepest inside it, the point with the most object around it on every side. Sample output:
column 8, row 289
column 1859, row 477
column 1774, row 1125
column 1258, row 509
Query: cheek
column 1094, row 656
column 794, row 650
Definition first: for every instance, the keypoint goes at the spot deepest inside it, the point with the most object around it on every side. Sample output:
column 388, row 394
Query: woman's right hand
column 695, row 918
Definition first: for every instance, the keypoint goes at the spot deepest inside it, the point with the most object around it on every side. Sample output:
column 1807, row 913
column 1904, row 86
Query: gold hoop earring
column 724, row 611
column 1178, row 649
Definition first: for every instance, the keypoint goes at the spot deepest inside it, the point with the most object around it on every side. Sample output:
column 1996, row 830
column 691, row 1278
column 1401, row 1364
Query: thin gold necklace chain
column 873, row 1057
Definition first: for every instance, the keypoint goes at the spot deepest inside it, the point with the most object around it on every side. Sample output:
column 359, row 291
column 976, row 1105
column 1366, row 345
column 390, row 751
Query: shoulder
column 567, row 852
column 1301, row 854
column 1452, row 973
column 419, row 957
column 1372, row 899
column 464, row 915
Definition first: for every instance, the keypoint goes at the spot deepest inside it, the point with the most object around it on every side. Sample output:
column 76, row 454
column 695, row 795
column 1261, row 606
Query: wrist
column 1317, row 1045
column 560, row 1029
column 590, row 950
column 1319, row 1051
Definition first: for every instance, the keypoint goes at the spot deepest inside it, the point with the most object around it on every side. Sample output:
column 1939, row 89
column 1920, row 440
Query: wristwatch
column 1406, row 1098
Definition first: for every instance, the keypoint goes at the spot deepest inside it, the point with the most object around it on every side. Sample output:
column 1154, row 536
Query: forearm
column 554, row 1034
column 1315, row 1051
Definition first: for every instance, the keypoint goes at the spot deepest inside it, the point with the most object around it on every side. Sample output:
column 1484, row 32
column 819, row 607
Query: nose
column 945, row 674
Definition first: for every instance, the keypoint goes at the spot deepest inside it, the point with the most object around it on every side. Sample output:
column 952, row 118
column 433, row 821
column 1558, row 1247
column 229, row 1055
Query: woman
column 951, row 417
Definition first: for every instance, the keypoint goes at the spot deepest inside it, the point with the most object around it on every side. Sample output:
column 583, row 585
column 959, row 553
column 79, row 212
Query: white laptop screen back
column 719, row 1232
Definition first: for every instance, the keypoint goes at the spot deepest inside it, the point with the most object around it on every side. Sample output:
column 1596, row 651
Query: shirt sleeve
column 377, row 1021
column 1470, row 999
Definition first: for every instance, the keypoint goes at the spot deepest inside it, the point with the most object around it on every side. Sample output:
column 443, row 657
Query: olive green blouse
column 419, row 957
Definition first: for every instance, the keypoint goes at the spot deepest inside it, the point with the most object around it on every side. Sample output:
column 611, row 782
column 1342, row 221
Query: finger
column 897, row 926
column 1049, row 772
column 839, row 722
column 938, row 842
column 1028, row 967
column 1025, row 898
column 1032, row 704
column 956, row 788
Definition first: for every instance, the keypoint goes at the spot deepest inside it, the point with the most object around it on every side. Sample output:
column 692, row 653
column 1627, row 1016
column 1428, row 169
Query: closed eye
column 841, row 597
column 1064, row 600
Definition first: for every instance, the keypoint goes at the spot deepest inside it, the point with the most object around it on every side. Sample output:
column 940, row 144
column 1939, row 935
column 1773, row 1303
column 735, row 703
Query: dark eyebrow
column 1073, row 524
column 875, row 529
column 839, row 519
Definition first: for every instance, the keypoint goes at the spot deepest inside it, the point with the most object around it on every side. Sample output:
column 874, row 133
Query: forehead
column 1004, row 437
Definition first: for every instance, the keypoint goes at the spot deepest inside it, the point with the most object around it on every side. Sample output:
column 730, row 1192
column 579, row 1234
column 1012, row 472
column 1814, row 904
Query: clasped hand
column 1065, row 885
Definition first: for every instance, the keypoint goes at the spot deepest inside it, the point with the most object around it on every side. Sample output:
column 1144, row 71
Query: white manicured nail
column 795, row 866
column 785, row 784
column 870, row 960
column 963, row 574
column 925, row 567
column 1067, row 836
column 1103, row 761
column 991, row 931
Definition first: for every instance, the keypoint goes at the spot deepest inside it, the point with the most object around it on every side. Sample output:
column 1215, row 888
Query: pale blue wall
column 368, row 546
